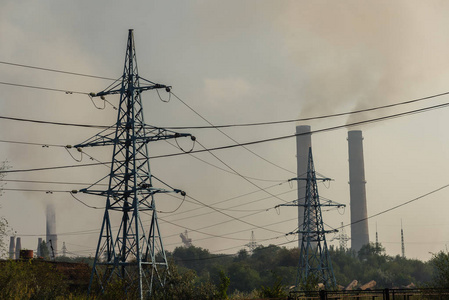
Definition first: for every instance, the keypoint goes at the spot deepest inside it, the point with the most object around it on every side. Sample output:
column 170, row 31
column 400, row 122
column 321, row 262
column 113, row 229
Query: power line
column 243, row 177
column 54, row 70
column 397, row 206
column 310, row 118
column 232, row 217
column 54, row 123
column 228, row 136
column 211, row 125
column 227, row 171
column 382, row 212
column 30, row 143
column 313, row 131
column 47, row 182
column 43, row 88
column 384, row 118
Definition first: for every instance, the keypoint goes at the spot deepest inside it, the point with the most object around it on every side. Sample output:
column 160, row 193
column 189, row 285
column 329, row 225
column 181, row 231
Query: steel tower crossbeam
column 132, row 253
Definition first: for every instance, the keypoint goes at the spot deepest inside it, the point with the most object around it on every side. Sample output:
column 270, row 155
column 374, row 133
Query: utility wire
column 54, row 123
column 228, row 215
column 42, row 88
column 30, row 143
column 243, row 177
column 313, row 131
column 397, row 206
column 229, row 125
column 229, row 137
column 224, row 170
column 54, row 70
column 47, row 182
column 384, row 118
column 312, row 118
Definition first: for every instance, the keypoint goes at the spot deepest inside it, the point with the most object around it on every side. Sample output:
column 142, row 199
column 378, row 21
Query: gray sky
column 234, row 62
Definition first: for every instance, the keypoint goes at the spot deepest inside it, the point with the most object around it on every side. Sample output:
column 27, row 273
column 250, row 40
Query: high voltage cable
column 234, row 232
column 377, row 214
column 223, row 201
column 397, row 206
column 54, row 123
column 313, row 131
column 224, row 170
column 43, row 88
column 243, row 177
column 229, row 137
column 311, row 118
column 229, row 216
column 261, row 141
column 228, row 125
column 47, row 182
column 228, row 209
column 54, row 70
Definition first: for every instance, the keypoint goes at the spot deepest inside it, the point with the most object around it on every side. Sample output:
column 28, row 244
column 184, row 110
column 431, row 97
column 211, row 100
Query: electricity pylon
column 314, row 260
column 126, row 250
column 402, row 242
column 343, row 238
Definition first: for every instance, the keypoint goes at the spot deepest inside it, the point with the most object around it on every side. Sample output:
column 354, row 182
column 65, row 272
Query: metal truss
column 127, row 250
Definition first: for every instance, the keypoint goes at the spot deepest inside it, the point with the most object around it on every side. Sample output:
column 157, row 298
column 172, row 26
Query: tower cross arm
column 138, row 89
column 157, row 134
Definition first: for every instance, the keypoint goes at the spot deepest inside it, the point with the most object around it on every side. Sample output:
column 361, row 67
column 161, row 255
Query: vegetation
column 195, row 273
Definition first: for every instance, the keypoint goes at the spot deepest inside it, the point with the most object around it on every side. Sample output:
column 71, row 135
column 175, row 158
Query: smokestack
column 18, row 247
column 359, row 230
column 51, row 231
column 12, row 248
column 303, row 143
column 39, row 245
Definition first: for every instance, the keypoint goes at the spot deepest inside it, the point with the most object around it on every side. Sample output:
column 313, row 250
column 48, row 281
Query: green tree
column 276, row 290
column 3, row 233
column 440, row 263
column 223, row 286
column 4, row 228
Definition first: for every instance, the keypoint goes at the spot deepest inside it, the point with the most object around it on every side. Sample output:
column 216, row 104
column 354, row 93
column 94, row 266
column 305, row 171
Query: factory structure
column 51, row 240
column 359, row 215
column 359, row 235
column 303, row 143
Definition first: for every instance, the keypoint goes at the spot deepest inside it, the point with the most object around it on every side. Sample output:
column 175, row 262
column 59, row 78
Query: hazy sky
column 233, row 62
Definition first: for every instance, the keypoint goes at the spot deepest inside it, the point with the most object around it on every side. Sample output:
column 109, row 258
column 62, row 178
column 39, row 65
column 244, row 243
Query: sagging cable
column 82, row 202
column 193, row 144
column 78, row 149
column 167, row 89
column 91, row 95
column 179, row 206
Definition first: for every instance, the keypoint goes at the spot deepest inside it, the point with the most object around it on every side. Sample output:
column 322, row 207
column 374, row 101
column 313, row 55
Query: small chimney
column 18, row 247
column 12, row 248
column 51, row 231
column 39, row 245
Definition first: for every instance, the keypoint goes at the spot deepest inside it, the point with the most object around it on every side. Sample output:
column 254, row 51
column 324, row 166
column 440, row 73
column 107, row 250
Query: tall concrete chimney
column 303, row 143
column 18, row 247
column 359, row 223
column 51, row 231
column 12, row 248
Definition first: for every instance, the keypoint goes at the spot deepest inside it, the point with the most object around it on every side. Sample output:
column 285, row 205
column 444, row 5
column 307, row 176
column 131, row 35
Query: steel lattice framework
column 315, row 265
column 127, row 250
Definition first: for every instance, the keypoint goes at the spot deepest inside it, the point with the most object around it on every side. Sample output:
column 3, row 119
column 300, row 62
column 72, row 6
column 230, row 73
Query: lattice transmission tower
column 126, row 249
column 315, row 264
